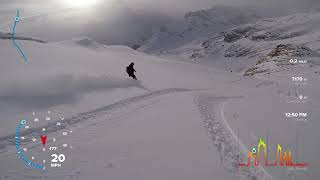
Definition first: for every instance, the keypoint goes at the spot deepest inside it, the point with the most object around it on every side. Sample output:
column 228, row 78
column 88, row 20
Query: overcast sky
column 173, row 5
column 116, row 20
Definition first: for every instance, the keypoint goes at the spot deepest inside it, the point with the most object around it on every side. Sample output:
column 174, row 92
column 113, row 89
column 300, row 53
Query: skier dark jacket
column 130, row 70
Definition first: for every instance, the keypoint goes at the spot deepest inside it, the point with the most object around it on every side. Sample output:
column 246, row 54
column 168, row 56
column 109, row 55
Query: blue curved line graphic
column 16, row 21
column 20, row 152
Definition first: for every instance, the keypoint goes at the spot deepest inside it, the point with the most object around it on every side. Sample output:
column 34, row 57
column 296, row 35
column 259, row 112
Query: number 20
column 58, row 158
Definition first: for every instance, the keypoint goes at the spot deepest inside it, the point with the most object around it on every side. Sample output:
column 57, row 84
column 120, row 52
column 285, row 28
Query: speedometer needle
column 43, row 139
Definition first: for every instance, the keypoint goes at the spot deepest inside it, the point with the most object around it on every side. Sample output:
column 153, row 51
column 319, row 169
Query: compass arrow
column 43, row 139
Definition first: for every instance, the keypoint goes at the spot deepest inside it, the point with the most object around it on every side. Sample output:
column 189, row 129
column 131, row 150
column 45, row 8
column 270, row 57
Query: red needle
column 43, row 139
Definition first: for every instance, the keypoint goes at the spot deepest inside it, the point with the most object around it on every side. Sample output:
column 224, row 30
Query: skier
column 131, row 70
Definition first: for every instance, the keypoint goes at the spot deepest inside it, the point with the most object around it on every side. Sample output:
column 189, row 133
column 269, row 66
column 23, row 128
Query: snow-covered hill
column 92, row 90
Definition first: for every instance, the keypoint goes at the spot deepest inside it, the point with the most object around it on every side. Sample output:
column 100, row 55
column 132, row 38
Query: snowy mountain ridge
column 199, row 24
column 250, row 41
column 6, row 35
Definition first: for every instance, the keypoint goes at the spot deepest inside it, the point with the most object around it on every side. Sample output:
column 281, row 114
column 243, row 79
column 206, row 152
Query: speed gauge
column 40, row 140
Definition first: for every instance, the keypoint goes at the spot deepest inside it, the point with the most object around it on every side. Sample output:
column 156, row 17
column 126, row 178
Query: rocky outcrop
column 278, row 59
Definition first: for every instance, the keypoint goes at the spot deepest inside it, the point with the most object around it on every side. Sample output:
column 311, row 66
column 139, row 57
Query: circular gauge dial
column 40, row 140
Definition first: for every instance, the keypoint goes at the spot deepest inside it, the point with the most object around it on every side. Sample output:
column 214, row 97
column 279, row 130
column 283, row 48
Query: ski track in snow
column 224, row 139
column 51, row 127
column 212, row 112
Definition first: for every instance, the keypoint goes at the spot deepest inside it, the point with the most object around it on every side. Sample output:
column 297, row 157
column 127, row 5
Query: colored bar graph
column 282, row 158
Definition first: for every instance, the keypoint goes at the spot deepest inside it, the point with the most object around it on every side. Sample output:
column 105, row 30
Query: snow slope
column 178, row 121
column 122, row 115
